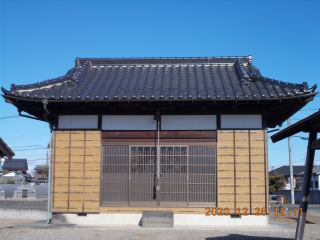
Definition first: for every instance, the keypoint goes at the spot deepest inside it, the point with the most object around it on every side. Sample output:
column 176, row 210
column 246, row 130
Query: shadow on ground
column 244, row 237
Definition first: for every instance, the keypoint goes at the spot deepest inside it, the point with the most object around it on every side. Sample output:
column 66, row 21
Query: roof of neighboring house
column 13, row 174
column 5, row 150
column 285, row 170
column 217, row 80
column 15, row 164
column 40, row 167
column 315, row 171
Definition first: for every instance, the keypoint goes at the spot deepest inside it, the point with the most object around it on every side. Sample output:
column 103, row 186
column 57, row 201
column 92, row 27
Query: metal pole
column 49, row 184
column 158, row 164
column 158, row 155
column 306, row 186
column 291, row 167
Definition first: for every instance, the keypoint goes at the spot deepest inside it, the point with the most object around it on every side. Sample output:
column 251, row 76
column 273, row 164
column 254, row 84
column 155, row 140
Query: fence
column 314, row 196
column 41, row 190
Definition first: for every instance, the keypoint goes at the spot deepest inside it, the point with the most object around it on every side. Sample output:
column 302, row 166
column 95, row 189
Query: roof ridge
column 134, row 58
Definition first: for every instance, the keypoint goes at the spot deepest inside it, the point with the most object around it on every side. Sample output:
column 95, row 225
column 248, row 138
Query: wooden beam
column 163, row 135
column 315, row 144
column 306, row 186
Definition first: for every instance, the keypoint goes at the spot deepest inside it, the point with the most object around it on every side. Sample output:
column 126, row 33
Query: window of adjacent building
column 316, row 184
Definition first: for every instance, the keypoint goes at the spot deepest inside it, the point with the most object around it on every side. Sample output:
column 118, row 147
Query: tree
column 10, row 181
column 275, row 182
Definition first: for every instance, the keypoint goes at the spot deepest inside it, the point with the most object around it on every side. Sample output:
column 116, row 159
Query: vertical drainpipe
column 45, row 103
column 157, row 118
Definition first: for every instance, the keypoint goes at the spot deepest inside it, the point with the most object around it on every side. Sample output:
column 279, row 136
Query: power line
column 28, row 146
column 29, row 149
column 27, row 137
column 7, row 117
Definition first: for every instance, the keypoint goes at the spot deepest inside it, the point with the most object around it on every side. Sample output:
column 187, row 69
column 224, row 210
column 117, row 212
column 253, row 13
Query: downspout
column 45, row 103
column 45, row 115
column 157, row 118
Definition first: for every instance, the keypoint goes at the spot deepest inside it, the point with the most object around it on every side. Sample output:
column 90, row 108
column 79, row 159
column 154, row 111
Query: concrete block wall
column 40, row 190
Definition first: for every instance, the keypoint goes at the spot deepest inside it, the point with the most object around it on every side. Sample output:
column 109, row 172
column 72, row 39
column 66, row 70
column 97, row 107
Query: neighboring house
column 38, row 173
column 17, row 165
column 210, row 115
column 285, row 170
column 17, row 177
column 314, row 185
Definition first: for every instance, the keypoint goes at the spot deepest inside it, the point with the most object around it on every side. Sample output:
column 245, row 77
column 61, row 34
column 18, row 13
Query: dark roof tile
column 160, row 78
column 5, row 150
column 15, row 164
column 40, row 167
column 285, row 170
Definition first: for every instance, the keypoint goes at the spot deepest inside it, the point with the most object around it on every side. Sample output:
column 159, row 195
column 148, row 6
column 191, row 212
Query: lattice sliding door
column 115, row 170
column 187, row 176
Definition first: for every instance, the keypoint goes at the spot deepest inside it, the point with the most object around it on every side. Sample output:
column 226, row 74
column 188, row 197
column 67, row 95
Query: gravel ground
column 14, row 229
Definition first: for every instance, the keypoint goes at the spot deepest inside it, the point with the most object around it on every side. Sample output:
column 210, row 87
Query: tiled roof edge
column 73, row 75
column 255, row 75
column 7, row 148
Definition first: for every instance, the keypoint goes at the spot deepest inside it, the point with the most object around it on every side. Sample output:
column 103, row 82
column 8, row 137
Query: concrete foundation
column 23, row 213
column 179, row 220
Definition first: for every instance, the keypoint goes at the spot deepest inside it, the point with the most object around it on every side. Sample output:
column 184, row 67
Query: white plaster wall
column 78, row 122
column 188, row 122
column 241, row 121
column 128, row 122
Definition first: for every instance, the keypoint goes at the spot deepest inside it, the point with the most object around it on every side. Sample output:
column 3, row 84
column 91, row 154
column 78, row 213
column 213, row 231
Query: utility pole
column 291, row 167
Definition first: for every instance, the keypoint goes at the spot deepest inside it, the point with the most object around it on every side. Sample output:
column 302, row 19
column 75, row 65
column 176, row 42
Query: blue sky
column 41, row 39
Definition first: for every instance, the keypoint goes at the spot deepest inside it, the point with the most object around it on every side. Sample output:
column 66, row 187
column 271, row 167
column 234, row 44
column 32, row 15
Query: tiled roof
column 151, row 79
column 315, row 170
column 15, row 164
column 285, row 170
column 40, row 167
column 5, row 150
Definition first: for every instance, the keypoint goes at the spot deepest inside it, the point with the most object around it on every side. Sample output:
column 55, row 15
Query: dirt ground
column 312, row 221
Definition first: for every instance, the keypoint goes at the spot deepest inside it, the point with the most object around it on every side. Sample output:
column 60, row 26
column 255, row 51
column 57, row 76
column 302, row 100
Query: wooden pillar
column 306, row 186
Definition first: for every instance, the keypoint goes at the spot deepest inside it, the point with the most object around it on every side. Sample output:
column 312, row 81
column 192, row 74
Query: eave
column 275, row 110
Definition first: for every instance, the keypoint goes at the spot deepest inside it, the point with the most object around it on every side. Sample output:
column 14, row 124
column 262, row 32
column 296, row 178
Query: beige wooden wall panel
column 52, row 170
column 225, row 173
column 242, row 170
column 76, row 171
column 266, row 170
column 60, row 176
column 258, row 168
column 92, row 177
column 242, row 167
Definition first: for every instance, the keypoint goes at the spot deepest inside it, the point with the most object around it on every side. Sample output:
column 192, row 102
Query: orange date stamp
column 226, row 212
